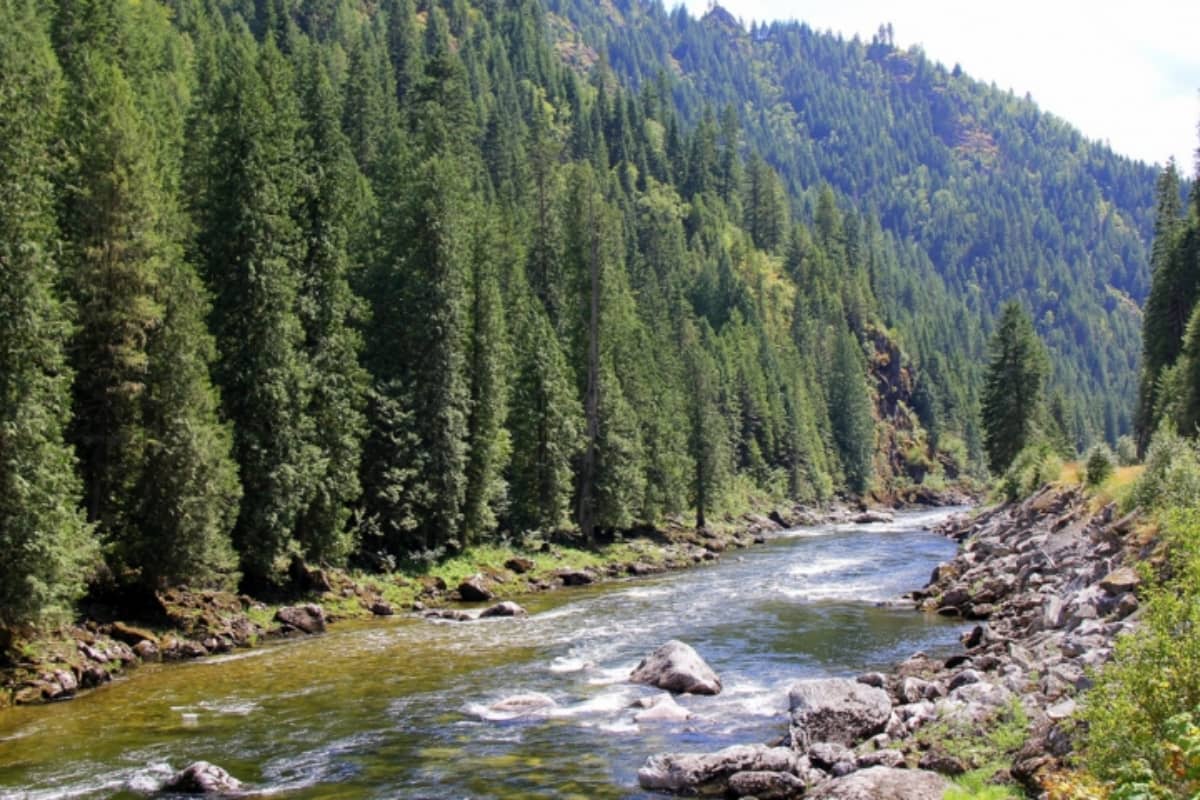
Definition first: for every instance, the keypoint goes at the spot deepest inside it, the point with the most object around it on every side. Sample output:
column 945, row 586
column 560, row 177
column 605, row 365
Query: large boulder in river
column 203, row 778
column 874, row 515
column 836, row 710
column 883, row 783
column 309, row 618
column 709, row 773
column 676, row 667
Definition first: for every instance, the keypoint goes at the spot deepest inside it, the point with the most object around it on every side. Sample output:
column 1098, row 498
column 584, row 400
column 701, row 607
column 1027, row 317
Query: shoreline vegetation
column 181, row 624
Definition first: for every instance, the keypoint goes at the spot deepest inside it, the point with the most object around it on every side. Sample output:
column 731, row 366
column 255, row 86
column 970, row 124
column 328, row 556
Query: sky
column 1123, row 73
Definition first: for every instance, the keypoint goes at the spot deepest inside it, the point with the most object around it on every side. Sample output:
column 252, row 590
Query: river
column 399, row 707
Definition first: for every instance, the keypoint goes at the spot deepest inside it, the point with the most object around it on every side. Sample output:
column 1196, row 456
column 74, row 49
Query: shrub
column 1126, row 451
column 1100, row 464
column 1172, row 475
column 1034, row 466
column 1141, row 714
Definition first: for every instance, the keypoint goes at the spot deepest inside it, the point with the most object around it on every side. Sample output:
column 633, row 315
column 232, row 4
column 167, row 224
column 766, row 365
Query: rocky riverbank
column 184, row 624
column 1048, row 583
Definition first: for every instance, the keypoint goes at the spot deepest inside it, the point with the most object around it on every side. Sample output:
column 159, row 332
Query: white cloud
column 1121, row 73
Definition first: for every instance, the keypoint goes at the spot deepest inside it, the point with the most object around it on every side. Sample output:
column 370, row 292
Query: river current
column 400, row 707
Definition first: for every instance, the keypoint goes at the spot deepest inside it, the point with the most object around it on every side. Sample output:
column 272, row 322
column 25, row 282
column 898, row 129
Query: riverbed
column 400, row 707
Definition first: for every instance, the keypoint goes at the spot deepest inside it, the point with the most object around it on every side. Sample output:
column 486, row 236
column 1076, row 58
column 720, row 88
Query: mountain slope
column 1005, row 200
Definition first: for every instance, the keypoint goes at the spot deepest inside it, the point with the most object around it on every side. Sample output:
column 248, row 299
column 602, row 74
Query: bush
column 1034, row 466
column 1100, row 465
column 1126, row 451
column 1141, row 714
column 1172, row 475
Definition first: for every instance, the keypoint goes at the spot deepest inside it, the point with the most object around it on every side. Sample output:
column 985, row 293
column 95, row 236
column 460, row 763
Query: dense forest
column 359, row 283
column 986, row 198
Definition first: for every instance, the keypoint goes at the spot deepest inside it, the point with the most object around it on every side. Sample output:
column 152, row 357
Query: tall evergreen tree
column 1013, row 386
column 117, row 253
column 252, row 252
column 850, row 411
column 328, row 312
column 46, row 546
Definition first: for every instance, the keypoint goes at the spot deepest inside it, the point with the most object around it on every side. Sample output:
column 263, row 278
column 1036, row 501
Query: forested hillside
column 370, row 283
column 988, row 197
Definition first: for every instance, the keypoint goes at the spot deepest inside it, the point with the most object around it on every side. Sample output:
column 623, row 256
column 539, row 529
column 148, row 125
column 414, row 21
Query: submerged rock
column 883, row 783
column 874, row 515
column 523, row 703
column 203, row 778
column 676, row 667
column 836, row 710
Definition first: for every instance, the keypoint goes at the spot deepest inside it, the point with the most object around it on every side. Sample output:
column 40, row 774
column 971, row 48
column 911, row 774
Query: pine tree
column 488, row 441
column 546, row 425
column 252, row 251
column 707, row 434
column 328, row 312
column 1013, row 387
column 116, row 254
column 46, row 546
column 850, row 411
column 1173, row 288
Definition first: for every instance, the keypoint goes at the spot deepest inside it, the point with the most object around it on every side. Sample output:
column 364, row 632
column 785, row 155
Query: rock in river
column 203, row 778
column 676, row 667
column 522, row 703
column 836, row 710
column 661, row 708
column 506, row 609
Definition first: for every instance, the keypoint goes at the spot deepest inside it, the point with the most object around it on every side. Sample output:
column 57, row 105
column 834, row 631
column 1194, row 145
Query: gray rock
column 883, row 783
column 661, row 708
column 765, row 785
column 309, row 618
column 964, row 678
column 1053, row 612
column 827, row 755
column 874, row 515
column 836, row 710
column 876, row 679
column 203, row 778
column 576, row 577
column 476, row 589
column 1120, row 581
column 676, row 667
column 881, row 758
column 506, row 609
column 710, row 772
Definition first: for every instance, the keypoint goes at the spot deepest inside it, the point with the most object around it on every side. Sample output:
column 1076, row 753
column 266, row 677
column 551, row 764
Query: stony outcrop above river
column 677, row 667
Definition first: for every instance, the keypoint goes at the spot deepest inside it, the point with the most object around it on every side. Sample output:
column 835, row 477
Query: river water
column 399, row 708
